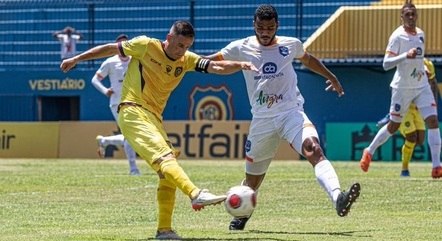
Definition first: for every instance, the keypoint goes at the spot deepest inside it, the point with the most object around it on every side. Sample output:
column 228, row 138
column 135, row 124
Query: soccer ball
column 240, row 201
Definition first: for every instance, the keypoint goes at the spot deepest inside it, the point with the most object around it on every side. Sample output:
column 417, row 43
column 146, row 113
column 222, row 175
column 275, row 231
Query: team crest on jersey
column 211, row 103
column 421, row 39
column 284, row 51
column 397, row 107
column 178, row 71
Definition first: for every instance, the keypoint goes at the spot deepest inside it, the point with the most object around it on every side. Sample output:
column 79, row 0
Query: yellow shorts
column 145, row 133
column 412, row 121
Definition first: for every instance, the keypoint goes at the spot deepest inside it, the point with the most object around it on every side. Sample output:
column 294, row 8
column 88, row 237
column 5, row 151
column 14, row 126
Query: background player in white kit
column 68, row 38
column 277, row 107
column 406, row 51
column 115, row 67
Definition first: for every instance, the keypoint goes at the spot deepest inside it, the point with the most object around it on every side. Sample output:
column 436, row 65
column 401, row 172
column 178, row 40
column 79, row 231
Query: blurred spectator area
column 338, row 31
column 360, row 34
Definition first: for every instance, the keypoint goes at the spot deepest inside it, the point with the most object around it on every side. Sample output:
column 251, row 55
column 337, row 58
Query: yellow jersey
column 151, row 75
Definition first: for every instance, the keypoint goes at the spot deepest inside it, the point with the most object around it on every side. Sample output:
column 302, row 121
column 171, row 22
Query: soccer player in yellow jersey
column 155, row 69
column 412, row 127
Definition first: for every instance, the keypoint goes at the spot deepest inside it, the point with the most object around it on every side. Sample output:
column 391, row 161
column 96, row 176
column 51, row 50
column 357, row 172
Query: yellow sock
column 166, row 202
column 175, row 174
column 407, row 152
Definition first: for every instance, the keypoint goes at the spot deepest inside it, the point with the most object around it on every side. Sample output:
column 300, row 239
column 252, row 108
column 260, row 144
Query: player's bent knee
column 312, row 150
column 432, row 122
column 163, row 162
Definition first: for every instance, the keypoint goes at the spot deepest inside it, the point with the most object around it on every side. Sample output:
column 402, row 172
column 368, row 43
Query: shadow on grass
column 344, row 234
column 222, row 239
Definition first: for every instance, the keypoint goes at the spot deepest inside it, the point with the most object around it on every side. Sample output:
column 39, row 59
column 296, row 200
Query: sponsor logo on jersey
column 268, row 99
column 284, row 51
column 269, row 71
column 168, row 69
column 269, row 68
column 211, row 103
column 155, row 61
column 417, row 74
column 419, row 51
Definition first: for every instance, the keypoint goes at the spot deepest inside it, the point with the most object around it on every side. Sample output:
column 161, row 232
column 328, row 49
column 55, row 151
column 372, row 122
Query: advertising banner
column 29, row 139
column 346, row 141
column 70, row 139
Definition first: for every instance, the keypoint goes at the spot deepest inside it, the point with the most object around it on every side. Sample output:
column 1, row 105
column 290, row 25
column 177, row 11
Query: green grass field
column 97, row 200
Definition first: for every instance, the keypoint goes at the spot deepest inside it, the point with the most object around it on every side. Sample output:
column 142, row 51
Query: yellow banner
column 195, row 140
column 29, row 139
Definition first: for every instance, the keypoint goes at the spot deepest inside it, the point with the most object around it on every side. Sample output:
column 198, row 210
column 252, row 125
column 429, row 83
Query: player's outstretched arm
column 318, row 67
column 229, row 67
column 97, row 52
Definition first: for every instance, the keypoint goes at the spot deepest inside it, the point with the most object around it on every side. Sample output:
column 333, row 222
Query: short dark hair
column 184, row 28
column 266, row 12
column 121, row 36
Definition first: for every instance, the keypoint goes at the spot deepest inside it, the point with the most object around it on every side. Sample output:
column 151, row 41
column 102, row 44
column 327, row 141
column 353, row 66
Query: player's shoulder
column 244, row 41
column 141, row 39
column 419, row 30
column 287, row 39
column 399, row 30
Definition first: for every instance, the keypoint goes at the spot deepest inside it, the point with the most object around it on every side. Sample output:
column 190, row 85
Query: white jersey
column 274, row 89
column 68, row 44
column 115, row 68
column 410, row 73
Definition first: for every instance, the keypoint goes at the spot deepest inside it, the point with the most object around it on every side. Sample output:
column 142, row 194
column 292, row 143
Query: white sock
column 116, row 140
column 381, row 137
column 434, row 141
column 327, row 178
column 131, row 156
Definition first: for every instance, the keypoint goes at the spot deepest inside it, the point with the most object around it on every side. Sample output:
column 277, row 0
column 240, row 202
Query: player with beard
column 277, row 107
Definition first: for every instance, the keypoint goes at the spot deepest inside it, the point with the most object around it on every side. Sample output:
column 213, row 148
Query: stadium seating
column 27, row 25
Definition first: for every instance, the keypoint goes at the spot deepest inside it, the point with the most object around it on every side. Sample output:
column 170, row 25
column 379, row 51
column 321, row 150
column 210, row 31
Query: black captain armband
column 202, row 65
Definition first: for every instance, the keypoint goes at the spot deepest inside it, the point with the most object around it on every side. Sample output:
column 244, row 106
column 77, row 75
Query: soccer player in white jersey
column 405, row 51
column 114, row 67
column 277, row 107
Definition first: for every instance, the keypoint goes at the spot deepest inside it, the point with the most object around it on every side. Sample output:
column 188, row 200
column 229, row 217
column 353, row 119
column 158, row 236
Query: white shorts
column 402, row 98
column 265, row 135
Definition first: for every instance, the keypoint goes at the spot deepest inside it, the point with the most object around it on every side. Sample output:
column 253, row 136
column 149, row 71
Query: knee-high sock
column 131, row 156
column 328, row 179
column 380, row 138
column 116, row 140
column 434, row 141
column 407, row 152
column 166, row 203
column 175, row 174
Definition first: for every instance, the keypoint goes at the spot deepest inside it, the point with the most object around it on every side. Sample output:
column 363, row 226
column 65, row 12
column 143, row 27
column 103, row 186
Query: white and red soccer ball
column 240, row 201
